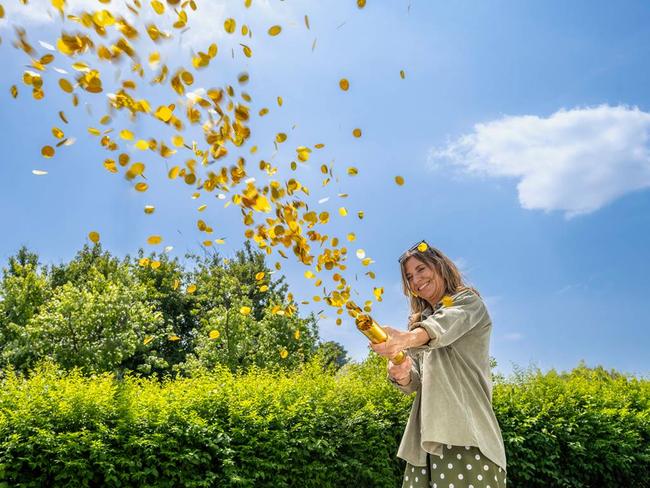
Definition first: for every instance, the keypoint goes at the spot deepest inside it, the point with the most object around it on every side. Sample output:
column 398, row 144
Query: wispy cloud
column 575, row 161
column 513, row 336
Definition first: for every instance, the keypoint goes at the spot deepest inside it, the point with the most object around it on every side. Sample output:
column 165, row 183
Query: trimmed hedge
column 307, row 428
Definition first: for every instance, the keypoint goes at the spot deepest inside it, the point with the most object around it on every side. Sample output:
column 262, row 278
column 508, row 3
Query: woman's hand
column 400, row 372
column 397, row 341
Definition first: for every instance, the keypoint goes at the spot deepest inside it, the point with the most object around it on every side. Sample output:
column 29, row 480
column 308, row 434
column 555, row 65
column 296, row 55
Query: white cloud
column 513, row 336
column 575, row 161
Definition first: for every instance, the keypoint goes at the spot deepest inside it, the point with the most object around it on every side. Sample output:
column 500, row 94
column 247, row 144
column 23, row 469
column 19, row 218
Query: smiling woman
column 452, row 437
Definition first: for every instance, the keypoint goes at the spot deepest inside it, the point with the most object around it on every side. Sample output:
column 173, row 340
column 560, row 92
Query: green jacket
column 451, row 375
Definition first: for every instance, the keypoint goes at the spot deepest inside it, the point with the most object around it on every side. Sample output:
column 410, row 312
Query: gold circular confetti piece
column 356, row 132
column 93, row 236
column 65, row 85
column 230, row 25
column 47, row 151
column 399, row 180
column 149, row 209
column 344, row 84
column 284, row 353
column 141, row 187
column 191, row 288
column 245, row 310
column 154, row 240
column 275, row 30
column 423, row 247
column 214, row 334
column 447, row 301
column 361, row 3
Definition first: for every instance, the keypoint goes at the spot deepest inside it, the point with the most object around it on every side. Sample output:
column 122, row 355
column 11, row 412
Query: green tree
column 24, row 288
column 332, row 354
column 271, row 335
column 100, row 326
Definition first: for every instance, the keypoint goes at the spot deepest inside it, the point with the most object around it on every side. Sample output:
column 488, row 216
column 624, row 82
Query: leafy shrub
column 310, row 427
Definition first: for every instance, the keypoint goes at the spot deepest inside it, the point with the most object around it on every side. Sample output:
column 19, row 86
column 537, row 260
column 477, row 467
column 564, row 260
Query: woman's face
column 423, row 280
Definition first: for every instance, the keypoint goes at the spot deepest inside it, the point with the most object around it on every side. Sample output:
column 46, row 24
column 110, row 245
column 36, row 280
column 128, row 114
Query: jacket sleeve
column 415, row 383
column 448, row 324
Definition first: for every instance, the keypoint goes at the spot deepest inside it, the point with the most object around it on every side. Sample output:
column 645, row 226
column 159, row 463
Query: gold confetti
column 214, row 334
column 158, row 7
column 174, row 337
column 399, row 180
column 307, row 21
column 93, row 236
column 361, row 3
column 147, row 340
column 402, row 74
column 422, row 247
column 356, row 132
column 149, row 209
column 343, row 211
column 245, row 310
column 127, row 135
column 296, row 334
column 190, row 288
column 155, row 264
column 447, row 301
column 230, row 25
column 284, row 353
column 344, row 84
column 154, row 240
column 141, row 186
column 280, row 137
column 14, row 90
column 47, row 151
column 65, row 85
column 164, row 113
column 260, row 276
column 275, row 30
column 279, row 101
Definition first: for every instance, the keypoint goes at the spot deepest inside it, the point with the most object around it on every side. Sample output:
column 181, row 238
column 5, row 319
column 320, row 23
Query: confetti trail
column 201, row 135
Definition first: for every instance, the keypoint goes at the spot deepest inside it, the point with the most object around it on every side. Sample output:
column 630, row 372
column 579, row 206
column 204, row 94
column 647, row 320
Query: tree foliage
column 150, row 314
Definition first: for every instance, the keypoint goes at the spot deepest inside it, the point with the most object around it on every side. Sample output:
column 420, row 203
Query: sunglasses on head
column 421, row 246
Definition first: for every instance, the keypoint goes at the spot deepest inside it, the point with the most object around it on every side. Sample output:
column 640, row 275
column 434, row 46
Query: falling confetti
column 277, row 212
column 447, row 301
column 93, row 236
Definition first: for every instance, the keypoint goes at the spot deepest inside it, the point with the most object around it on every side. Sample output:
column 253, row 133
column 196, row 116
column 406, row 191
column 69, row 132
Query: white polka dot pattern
column 469, row 469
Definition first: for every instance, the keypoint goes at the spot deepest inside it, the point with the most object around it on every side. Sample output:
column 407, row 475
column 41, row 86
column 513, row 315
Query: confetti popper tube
column 376, row 334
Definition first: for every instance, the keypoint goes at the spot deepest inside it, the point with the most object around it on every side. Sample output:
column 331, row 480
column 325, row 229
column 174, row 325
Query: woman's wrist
column 417, row 337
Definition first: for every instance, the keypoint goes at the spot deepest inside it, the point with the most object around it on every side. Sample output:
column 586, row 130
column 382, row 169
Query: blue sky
column 521, row 129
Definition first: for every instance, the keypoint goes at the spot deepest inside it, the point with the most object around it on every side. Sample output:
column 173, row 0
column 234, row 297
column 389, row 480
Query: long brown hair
column 441, row 264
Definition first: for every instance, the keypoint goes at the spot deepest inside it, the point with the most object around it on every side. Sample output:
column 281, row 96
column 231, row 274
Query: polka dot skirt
column 459, row 467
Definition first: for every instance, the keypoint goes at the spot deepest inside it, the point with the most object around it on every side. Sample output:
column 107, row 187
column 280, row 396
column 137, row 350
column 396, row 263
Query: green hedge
column 308, row 428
